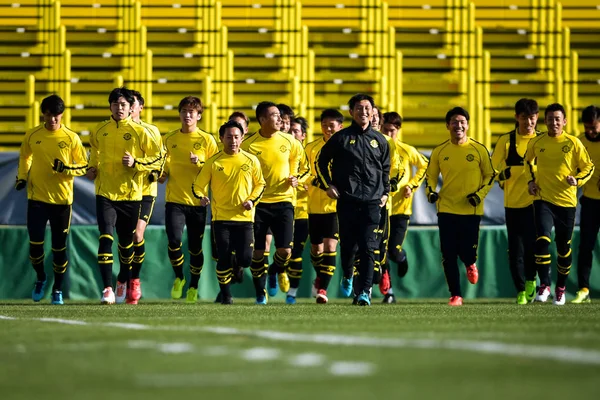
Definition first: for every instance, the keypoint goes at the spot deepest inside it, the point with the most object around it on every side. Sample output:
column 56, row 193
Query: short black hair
column 457, row 111
column 121, row 92
column 527, row 107
column 590, row 114
column 138, row 96
column 333, row 114
column 262, row 108
column 53, row 104
column 302, row 122
column 357, row 98
column 555, row 107
column 230, row 124
column 286, row 110
column 239, row 114
column 193, row 102
column 393, row 118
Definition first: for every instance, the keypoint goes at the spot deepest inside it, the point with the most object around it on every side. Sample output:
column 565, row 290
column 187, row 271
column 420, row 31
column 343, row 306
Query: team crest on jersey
column 566, row 149
column 127, row 136
column 62, row 145
column 245, row 167
column 374, row 144
column 283, row 149
column 197, row 146
column 105, row 134
column 219, row 168
column 470, row 157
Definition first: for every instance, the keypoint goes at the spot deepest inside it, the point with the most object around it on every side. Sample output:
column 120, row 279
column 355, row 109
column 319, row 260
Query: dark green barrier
column 425, row 278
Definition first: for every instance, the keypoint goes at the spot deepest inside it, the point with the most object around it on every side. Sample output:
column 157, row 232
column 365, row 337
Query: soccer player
column 51, row 156
column 322, row 218
column 280, row 156
column 298, row 128
column 122, row 150
column 518, row 203
column 235, row 180
column 467, row 176
column 589, row 221
column 359, row 178
column 563, row 165
column 187, row 148
column 131, row 291
column 287, row 115
column 377, row 119
column 403, row 186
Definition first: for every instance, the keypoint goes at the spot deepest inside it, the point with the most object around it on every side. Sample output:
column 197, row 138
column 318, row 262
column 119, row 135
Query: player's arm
column 258, row 184
column 212, row 147
column 324, row 158
column 201, row 184
column 25, row 159
column 488, row 174
column 304, row 176
column 77, row 163
column 530, row 155
column 499, row 159
column 420, row 162
column 585, row 165
column 152, row 149
column 93, row 160
column 431, row 176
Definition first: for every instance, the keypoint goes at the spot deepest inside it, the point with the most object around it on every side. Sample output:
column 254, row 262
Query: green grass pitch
column 487, row 349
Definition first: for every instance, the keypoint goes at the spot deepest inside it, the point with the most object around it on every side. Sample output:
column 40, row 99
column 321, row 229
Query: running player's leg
column 385, row 282
column 349, row 232
column 544, row 221
column 223, row 234
column 282, row 226
column 128, row 213
column 106, row 215
column 60, row 224
column 516, row 248
column 37, row 218
column 368, row 243
column 529, row 253
column 316, row 247
column 139, row 244
column 242, row 242
column 398, row 229
column 468, row 244
column 589, row 224
column 449, row 243
column 295, row 265
column 258, row 269
column 174, row 224
column 564, row 223
column 195, row 220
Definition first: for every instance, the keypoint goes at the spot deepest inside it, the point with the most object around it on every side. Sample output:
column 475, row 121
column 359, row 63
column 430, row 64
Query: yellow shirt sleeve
column 25, row 158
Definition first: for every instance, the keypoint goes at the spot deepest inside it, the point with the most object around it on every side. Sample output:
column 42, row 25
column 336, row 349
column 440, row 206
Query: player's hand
column 20, row 184
column 504, row 175
column 128, row 160
column 248, row 205
column 474, row 199
column 193, row 158
column 433, row 197
column 163, row 178
column 384, row 200
column 91, row 173
column 407, row 191
column 204, row 201
column 332, row 192
column 153, row 176
column 571, row 180
column 393, row 185
column 293, row 181
column 533, row 189
column 58, row 166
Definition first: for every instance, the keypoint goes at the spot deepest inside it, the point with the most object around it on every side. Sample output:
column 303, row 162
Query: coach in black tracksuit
column 354, row 167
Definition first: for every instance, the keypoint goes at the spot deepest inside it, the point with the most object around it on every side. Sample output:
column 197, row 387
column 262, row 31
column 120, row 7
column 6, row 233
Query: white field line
column 558, row 353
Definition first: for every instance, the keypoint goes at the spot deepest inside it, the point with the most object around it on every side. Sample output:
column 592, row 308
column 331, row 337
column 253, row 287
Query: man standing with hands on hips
column 354, row 168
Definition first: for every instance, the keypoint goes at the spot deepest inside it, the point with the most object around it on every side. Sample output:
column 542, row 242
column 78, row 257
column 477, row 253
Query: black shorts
column 146, row 208
column 323, row 226
column 122, row 215
column 38, row 215
column 280, row 218
column 179, row 216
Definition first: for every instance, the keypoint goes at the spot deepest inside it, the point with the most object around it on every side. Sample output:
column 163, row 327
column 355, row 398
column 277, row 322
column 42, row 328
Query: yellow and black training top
column 151, row 188
column 232, row 180
column 466, row 169
column 408, row 157
column 39, row 149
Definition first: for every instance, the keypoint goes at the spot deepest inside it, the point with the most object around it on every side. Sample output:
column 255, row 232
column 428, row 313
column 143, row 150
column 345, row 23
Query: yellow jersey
column 151, row 188
column 318, row 201
column 408, row 157
column 466, row 169
column 557, row 158
column 110, row 140
column 232, row 180
column 181, row 171
column 280, row 156
column 591, row 189
column 39, row 149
